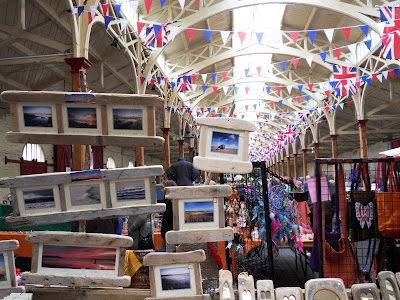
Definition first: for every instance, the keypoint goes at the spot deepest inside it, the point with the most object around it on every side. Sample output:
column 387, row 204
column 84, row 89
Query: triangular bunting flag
column 289, row 100
column 326, row 109
column 307, row 97
column 346, row 31
column 334, row 107
column 140, row 26
column 310, row 86
column 204, row 88
column 123, row 23
column 279, row 88
column 298, row 98
column 194, row 77
column 247, row 89
column 271, row 103
column 223, row 109
column 207, row 35
column 280, row 103
column 329, row 34
column 349, row 103
column 337, row 52
column 213, row 75
column 391, row 74
column 289, row 88
column 190, row 33
column 396, row 71
column 148, row 4
column 268, row 88
column 311, row 34
column 236, row 89
column 202, row 110
column 194, row 87
column 157, row 29
column 352, row 48
column 242, row 36
column 300, row 87
column 255, row 108
column 258, row 70
column 323, row 56
column 327, row 93
column 364, row 29
column 278, row 37
column 294, row 35
column 173, row 84
column 246, row 107
column 117, row 9
column 385, row 74
column 309, row 59
column 259, row 36
column 224, row 36
column 341, row 105
column 162, row 2
column 246, row 72
column 204, row 77
column 375, row 76
column 215, row 89
column 295, row 62
column 107, row 20
column 105, row 8
column 368, row 44
column 182, row 3
column 283, row 65
column 225, row 88
column 380, row 77
column 224, row 74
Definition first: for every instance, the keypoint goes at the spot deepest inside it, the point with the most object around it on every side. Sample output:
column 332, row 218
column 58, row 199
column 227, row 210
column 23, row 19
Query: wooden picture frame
column 8, row 279
column 78, row 259
column 360, row 291
column 333, row 285
column 84, row 195
column 246, row 286
column 284, row 293
column 224, row 145
column 388, row 285
column 83, row 118
column 200, row 218
column 175, row 275
column 265, row 290
column 226, row 285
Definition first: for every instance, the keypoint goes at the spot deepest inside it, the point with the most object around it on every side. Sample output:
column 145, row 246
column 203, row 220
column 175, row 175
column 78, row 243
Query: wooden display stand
column 265, row 290
column 334, row 285
column 58, row 259
column 246, row 286
column 176, row 275
column 8, row 279
column 224, row 145
column 73, row 196
column 226, row 285
column 200, row 218
column 61, row 118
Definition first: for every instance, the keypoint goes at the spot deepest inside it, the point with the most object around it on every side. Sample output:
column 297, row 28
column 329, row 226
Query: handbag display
column 146, row 242
column 388, row 203
column 340, row 263
column 362, row 206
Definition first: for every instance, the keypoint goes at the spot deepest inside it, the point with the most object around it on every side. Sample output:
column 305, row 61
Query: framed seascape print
column 38, row 200
column 127, row 120
column 81, row 119
column 135, row 191
column 40, row 118
column 227, row 144
column 85, row 195
column 175, row 280
column 4, row 270
column 198, row 214
column 93, row 261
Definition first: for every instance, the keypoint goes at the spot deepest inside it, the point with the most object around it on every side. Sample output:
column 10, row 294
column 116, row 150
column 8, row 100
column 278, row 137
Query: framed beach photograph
column 85, row 195
column 130, row 192
column 198, row 214
column 175, row 280
column 4, row 271
column 62, row 259
column 82, row 119
column 227, row 144
column 127, row 120
column 38, row 200
column 37, row 118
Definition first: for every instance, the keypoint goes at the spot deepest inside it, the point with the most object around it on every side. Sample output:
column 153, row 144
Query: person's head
column 167, row 183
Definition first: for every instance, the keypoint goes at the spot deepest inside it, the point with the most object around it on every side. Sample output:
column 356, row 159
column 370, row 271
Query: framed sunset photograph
column 38, row 200
column 64, row 258
column 130, row 192
column 175, row 280
column 127, row 120
column 82, row 119
column 198, row 214
column 37, row 118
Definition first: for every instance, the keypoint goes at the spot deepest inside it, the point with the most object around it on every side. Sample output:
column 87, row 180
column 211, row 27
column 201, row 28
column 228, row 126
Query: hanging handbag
column 340, row 264
column 362, row 205
column 312, row 189
column 145, row 242
column 388, row 203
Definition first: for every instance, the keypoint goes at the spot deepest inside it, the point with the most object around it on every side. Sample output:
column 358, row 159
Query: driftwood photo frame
column 224, row 145
column 201, row 217
column 78, row 259
column 176, row 275
column 44, row 117
column 8, row 279
column 74, row 196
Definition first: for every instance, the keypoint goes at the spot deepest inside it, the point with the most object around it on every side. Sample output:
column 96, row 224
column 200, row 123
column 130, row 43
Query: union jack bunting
column 184, row 84
column 343, row 75
column 156, row 35
column 391, row 33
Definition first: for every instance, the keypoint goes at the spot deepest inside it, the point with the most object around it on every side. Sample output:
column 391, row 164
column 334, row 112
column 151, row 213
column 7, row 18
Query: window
column 33, row 151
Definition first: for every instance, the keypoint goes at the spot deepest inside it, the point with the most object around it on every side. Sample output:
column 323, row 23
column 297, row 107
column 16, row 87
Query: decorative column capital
column 304, row 150
column 362, row 123
column 78, row 63
column 294, row 154
column 334, row 137
column 316, row 144
column 191, row 148
column 165, row 130
column 180, row 142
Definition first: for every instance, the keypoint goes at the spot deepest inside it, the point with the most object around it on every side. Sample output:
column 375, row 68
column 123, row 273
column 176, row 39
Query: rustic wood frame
column 68, row 199
column 21, row 203
column 77, row 277
column 198, row 232
column 225, row 277
column 265, row 286
column 192, row 259
column 224, row 163
column 246, row 284
column 335, row 285
column 364, row 288
column 103, row 135
column 389, row 276
column 65, row 213
column 285, row 292
column 7, row 250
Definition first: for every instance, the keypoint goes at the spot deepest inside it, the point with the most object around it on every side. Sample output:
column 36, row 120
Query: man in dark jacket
column 183, row 172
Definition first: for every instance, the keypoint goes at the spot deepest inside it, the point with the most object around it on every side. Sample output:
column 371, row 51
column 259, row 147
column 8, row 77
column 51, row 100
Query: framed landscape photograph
column 61, row 259
column 175, row 280
column 127, row 120
column 130, row 192
column 227, row 144
column 198, row 214
column 85, row 195
column 37, row 118
column 4, row 271
column 39, row 200
column 82, row 119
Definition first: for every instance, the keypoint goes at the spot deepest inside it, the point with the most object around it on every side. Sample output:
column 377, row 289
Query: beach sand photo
column 85, row 194
column 199, row 212
column 222, row 142
column 175, row 278
column 39, row 198
column 131, row 119
column 71, row 257
column 82, row 117
column 37, row 116
column 130, row 190
column 3, row 270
